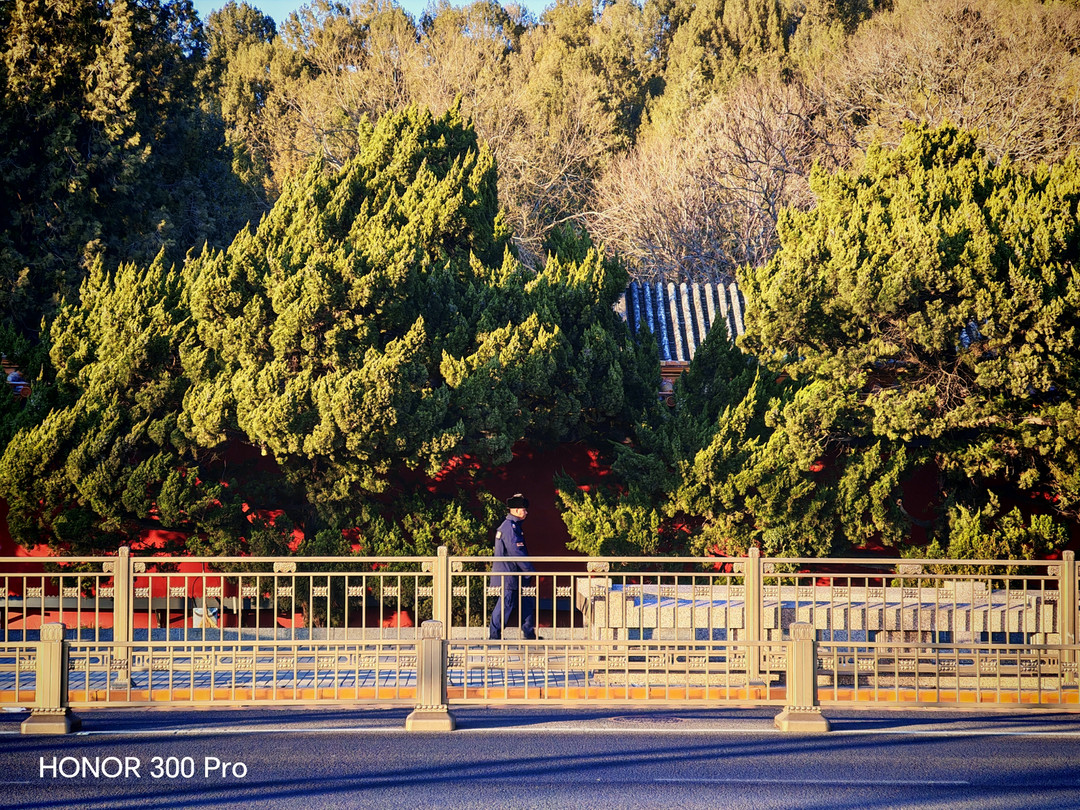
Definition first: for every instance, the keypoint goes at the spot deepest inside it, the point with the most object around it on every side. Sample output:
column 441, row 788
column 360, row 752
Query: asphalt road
column 541, row 758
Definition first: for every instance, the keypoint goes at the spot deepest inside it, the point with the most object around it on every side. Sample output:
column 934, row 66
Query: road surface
column 608, row 757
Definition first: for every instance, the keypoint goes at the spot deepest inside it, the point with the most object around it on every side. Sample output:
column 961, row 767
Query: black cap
column 517, row 501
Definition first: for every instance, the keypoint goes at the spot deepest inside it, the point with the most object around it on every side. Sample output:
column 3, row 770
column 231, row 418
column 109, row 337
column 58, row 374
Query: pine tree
column 108, row 459
column 46, row 219
column 372, row 332
column 926, row 308
column 376, row 321
column 107, row 152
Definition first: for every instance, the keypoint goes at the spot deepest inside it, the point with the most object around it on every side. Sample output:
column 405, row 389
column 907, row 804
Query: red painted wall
column 531, row 472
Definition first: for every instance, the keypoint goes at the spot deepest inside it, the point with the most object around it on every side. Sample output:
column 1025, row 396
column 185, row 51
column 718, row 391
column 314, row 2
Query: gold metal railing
column 609, row 671
column 123, row 599
column 945, row 674
column 678, row 630
column 229, row 672
column 18, row 663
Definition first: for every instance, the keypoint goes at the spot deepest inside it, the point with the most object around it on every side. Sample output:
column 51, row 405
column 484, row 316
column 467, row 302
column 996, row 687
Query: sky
column 281, row 9
column 278, row 9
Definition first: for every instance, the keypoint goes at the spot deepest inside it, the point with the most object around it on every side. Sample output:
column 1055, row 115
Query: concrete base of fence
column 802, row 720
column 430, row 720
column 51, row 722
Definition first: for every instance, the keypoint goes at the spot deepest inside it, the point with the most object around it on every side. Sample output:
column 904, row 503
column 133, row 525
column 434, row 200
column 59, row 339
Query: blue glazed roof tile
column 680, row 315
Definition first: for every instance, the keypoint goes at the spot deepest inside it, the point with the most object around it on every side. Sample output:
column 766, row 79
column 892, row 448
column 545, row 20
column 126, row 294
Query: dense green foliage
column 926, row 310
column 396, row 303
column 377, row 319
column 375, row 326
column 108, row 459
column 635, row 516
column 106, row 150
column 920, row 320
column 990, row 533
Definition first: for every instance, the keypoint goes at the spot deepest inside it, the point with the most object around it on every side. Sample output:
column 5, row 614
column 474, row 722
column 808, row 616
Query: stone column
column 440, row 582
column 123, row 613
column 1067, row 610
column 431, row 712
column 50, row 714
column 802, row 713
column 754, row 601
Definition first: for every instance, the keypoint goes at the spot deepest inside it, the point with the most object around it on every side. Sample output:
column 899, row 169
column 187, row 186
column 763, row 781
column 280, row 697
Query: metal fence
column 146, row 630
column 122, row 598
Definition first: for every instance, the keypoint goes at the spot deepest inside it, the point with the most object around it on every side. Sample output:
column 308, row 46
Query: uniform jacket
column 510, row 543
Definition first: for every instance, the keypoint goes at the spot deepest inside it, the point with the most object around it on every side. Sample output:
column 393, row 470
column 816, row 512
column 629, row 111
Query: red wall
column 531, row 472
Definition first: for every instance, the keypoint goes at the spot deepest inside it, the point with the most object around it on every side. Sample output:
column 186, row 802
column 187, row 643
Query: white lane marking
column 557, row 729
column 960, row 732
column 829, row 782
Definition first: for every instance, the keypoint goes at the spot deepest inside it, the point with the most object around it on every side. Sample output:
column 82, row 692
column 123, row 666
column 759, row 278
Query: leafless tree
column 1007, row 70
column 701, row 203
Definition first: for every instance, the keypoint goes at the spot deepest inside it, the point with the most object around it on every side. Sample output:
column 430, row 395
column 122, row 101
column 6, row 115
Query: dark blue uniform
column 510, row 543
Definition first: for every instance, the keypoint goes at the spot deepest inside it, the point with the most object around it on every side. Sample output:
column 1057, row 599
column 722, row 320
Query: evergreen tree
column 642, row 510
column 926, row 309
column 921, row 319
column 370, row 333
column 377, row 321
column 108, row 460
column 237, row 86
column 106, row 152
column 46, row 219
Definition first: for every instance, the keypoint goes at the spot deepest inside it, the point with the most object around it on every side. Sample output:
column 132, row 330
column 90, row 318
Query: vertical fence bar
column 754, row 607
column 1067, row 610
column 440, row 601
column 51, row 714
column 431, row 712
column 123, row 609
column 802, row 713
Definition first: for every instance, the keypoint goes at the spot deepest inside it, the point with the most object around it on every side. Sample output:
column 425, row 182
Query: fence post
column 1067, row 610
column 431, row 712
column 802, row 713
column 123, row 613
column 754, row 607
column 440, row 591
column 50, row 714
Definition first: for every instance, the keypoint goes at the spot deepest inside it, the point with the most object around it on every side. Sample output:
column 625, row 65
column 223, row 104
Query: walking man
column 510, row 543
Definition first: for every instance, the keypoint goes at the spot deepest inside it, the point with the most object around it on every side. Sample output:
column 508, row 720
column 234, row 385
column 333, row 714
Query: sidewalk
column 526, row 720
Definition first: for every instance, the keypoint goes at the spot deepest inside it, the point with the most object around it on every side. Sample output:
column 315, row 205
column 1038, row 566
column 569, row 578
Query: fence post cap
column 431, row 629
column 54, row 631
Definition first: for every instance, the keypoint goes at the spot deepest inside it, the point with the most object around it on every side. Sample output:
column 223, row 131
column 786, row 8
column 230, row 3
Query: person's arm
column 520, row 553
